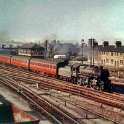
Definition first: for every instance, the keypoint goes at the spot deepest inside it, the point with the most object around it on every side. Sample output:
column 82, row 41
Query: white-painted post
column 37, row 86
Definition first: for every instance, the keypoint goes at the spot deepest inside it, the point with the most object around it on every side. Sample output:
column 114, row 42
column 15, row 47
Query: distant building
column 10, row 44
column 68, row 49
column 31, row 49
column 110, row 56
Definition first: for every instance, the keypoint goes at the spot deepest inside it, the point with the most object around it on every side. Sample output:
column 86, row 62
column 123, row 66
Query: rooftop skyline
column 62, row 19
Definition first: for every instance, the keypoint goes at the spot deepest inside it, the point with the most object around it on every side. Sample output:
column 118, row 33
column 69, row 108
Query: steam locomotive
column 85, row 75
column 81, row 75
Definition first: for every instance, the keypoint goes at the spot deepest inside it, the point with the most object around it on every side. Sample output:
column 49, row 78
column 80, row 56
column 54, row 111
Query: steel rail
column 89, row 93
column 47, row 82
column 37, row 99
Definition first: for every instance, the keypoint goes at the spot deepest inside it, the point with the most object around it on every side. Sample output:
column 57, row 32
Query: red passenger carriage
column 20, row 61
column 37, row 65
column 43, row 67
column 5, row 59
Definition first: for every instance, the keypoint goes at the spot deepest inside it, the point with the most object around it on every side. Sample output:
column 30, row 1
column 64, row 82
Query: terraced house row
column 111, row 56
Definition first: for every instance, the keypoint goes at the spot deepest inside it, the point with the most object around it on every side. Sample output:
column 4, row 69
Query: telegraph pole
column 93, row 41
column 90, row 46
column 82, row 45
column 46, row 48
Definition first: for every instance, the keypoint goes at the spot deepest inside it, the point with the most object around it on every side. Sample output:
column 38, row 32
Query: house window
column 112, row 61
column 111, row 53
column 121, row 62
column 117, row 63
column 117, row 54
column 104, row 61
column 121, row 54
column 107, row 60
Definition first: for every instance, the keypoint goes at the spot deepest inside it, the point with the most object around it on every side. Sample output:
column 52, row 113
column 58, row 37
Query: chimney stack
column 118, row 43
column 106, row 43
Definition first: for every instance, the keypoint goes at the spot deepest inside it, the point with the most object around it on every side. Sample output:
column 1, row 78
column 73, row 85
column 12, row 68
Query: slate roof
column 110, row 48
column 31, row 46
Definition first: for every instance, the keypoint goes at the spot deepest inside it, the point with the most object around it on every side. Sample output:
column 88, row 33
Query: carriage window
column 52, row 66
column 49, row 66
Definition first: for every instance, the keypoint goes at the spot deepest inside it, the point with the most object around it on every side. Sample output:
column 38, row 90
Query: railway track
column 55, row 114
column 115, row 100
column 30, row 96
column 42, row 82
column 25, row 75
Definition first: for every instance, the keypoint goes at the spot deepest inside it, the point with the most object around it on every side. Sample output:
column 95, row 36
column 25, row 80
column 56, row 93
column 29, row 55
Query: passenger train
column 48, row 67
column 57, row 69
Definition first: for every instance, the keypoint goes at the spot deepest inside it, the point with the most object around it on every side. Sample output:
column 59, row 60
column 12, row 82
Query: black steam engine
column 90, row 76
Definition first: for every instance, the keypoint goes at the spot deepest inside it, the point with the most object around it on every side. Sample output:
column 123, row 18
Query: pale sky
column 63, row 19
